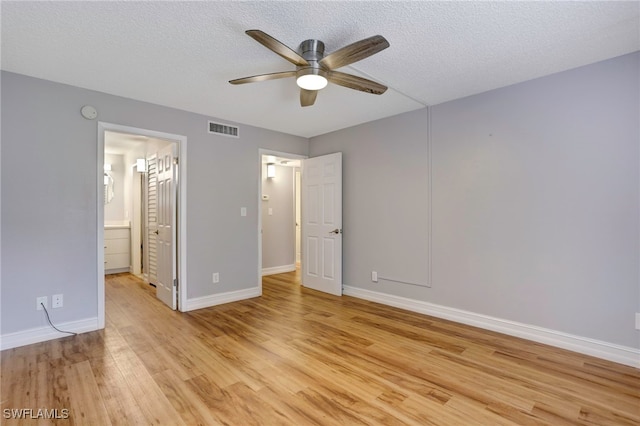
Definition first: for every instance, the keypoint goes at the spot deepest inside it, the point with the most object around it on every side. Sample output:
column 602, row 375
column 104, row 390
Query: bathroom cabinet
column 117, row 249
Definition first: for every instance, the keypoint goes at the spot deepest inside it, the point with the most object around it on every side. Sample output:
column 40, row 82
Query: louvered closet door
column 151, row 225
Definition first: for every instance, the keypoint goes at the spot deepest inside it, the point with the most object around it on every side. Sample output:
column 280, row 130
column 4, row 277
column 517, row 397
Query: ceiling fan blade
column 355, row 52
column 263, row 77
column 278, row 47
column 356, row 83
column 307, row 97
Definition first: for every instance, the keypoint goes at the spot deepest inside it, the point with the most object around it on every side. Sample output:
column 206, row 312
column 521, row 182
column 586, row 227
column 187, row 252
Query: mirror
column 108, row 188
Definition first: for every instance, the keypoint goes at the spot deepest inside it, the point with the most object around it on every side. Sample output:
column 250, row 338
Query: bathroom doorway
column 143, row 230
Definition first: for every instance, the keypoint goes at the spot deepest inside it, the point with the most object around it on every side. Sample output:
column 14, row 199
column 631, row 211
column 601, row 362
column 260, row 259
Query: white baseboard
column 42, row 334
column 600, row 349
column 278, row 269
column 117, row 270
column 219, row 299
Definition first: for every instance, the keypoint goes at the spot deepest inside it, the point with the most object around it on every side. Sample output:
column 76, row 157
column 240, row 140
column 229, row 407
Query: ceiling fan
column 314, row 70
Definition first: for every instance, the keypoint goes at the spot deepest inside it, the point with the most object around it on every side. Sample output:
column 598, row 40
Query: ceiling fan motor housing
column 312, row 51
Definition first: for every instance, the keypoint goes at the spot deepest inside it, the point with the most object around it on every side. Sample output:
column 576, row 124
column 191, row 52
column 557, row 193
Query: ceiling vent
column 223, row 129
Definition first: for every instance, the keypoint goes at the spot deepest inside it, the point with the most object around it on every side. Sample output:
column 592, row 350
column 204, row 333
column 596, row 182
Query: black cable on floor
column 51, row 324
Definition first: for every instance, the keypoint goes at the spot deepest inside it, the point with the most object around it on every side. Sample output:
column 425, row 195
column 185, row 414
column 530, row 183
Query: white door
column 322, row 223
column 166, row 192
column 150, row 267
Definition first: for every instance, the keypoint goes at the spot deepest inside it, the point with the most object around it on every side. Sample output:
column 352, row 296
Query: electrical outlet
column 56, row 301
column 374, row 276
column 637, row 321
column 216, row 277
column 42, row 300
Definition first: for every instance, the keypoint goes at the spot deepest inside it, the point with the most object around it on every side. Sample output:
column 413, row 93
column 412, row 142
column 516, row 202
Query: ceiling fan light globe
column 311, row 82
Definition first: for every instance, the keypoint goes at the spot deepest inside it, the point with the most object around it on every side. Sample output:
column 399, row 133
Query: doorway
column 279, row 213
column 131, row 203
column 138, row 144
column 320, row 219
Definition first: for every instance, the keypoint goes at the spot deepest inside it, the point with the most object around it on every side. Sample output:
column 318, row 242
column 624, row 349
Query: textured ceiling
column 181, row 54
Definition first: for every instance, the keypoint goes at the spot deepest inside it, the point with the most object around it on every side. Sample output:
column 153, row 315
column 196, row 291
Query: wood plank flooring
column 300, row 357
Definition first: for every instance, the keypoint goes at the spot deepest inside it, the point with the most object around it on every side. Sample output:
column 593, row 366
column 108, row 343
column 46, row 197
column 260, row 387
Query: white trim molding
column 117, row 270
column 45, row 333
column 222, row 298
column 278, row 269
column 597, row 348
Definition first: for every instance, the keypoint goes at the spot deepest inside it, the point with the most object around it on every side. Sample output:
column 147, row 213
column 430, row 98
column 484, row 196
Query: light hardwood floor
column 299, row 357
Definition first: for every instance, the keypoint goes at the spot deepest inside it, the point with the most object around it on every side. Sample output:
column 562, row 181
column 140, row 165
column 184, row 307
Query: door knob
column 336, row 231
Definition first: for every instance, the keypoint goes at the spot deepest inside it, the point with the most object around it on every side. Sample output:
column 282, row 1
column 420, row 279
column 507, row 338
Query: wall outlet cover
column 637, row 320
column 41, row 300
column 56, row 301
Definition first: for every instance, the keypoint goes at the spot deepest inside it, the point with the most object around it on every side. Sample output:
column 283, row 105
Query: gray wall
column 384, row 200
column 535, row 202
column 278, row 232
column 49, row 218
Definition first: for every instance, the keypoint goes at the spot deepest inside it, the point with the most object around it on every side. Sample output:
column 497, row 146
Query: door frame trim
column 181, row 209
column 283, row 154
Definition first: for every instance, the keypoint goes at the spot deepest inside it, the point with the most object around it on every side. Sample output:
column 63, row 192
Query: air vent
column 223, row 129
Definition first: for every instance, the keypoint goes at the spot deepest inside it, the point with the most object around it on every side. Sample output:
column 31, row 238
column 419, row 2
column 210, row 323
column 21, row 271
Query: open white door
column 322, row 223
column 166, row 192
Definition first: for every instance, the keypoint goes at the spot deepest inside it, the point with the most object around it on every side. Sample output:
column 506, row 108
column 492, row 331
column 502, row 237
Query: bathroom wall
column 114, row 211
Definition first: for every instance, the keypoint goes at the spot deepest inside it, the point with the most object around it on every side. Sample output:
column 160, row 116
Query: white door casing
column 322, row 223
column 166, row 192
column 180, row 244
column 298, row 183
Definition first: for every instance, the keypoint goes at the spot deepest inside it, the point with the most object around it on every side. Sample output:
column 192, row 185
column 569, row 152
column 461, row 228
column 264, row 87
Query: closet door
column 166, row 191
column 151, row 221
